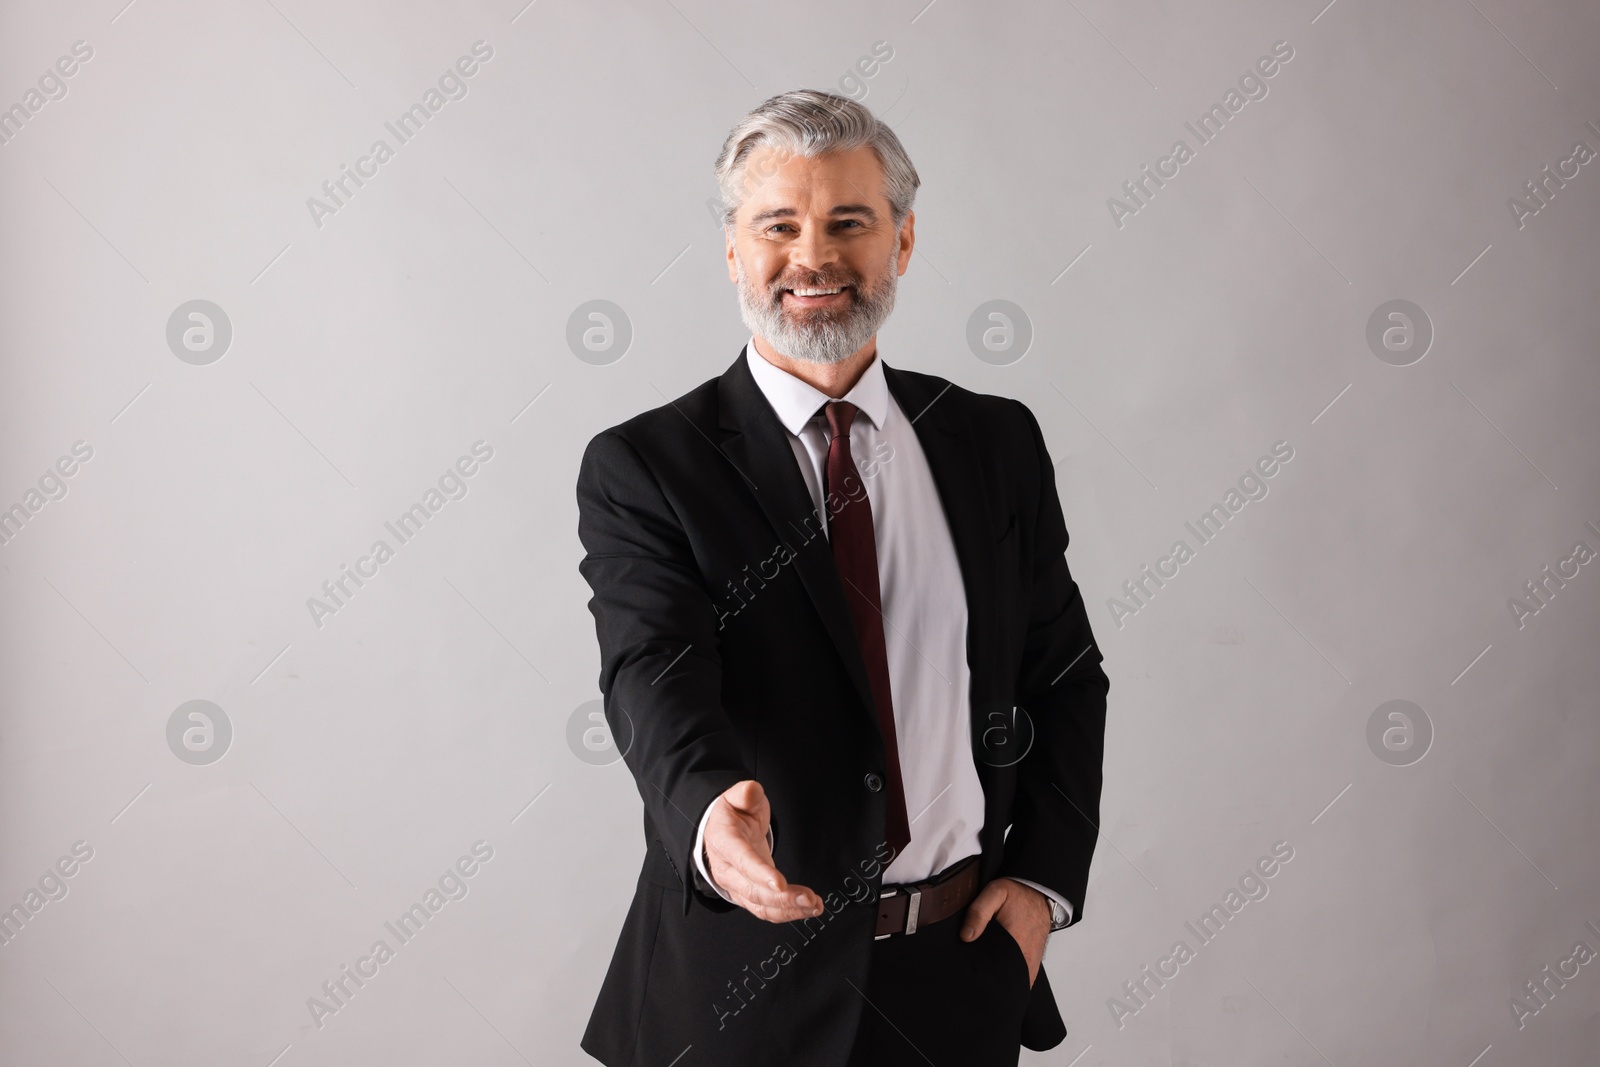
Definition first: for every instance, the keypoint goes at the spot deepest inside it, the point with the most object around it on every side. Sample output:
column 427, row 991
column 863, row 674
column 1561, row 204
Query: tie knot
column 840, row 414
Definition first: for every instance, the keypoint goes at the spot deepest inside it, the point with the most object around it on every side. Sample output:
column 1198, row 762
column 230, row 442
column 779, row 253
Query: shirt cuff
column 700, row 853
column 1051, row 893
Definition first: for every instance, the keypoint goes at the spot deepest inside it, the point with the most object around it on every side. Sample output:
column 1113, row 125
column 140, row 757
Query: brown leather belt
column 903, row 909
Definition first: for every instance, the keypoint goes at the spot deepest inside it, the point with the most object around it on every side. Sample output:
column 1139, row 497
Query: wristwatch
column 1059, row 917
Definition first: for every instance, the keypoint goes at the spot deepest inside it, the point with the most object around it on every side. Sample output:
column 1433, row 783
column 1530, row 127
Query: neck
column 833, row 379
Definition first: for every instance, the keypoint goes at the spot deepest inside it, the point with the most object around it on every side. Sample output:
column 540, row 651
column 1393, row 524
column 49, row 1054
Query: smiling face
column 815, row 253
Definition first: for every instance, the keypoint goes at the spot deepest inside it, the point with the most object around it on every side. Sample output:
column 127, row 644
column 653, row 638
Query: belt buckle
column 913, row 909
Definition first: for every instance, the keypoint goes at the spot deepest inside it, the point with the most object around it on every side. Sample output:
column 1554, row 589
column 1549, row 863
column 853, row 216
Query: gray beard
column 817, row 336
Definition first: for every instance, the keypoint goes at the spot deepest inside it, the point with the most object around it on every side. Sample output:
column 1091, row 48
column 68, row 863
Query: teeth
column 817, row 292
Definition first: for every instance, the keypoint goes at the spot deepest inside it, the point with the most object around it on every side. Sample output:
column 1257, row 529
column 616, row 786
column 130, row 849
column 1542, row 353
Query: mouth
column 828, row 296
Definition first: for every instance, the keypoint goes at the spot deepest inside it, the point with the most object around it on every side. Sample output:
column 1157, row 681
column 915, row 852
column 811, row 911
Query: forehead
column 776, row 177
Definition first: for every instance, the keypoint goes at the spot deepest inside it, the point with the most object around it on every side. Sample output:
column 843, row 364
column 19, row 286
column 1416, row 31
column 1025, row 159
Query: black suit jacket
column 727, row 653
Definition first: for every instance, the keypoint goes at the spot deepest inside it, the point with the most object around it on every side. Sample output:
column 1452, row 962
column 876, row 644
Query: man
column 840, row 644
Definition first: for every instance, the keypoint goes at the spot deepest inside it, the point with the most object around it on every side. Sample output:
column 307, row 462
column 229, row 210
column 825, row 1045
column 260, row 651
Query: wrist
column 1042, row 903
column 1057, row 913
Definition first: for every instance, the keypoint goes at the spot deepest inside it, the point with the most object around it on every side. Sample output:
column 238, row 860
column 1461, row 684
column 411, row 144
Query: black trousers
column 932, row 998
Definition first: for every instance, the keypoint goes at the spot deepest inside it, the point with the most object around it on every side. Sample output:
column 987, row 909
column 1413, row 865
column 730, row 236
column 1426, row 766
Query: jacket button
column 873, row 782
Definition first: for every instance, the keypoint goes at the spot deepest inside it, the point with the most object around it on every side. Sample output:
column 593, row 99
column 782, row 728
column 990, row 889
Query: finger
column 794, row 901
column 773, row 915
column 982, row 910
column 780, row 913
column 749, row 894
column 745, row 873
column 748, row 798
column 749, row 856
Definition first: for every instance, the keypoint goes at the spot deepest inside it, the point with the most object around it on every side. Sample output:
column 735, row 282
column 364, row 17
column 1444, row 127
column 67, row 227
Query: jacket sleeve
column 660, row 664
column 1056, row 814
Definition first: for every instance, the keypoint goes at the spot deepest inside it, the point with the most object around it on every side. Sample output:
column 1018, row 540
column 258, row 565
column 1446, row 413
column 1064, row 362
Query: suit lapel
column 758, row 446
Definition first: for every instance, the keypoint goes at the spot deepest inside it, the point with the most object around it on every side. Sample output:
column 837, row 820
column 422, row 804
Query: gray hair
column 811, row 123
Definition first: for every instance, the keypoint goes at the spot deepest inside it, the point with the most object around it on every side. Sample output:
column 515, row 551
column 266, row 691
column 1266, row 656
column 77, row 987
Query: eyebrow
column 842, row 209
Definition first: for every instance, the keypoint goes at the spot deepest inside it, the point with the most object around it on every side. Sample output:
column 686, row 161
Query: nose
column 814, row 250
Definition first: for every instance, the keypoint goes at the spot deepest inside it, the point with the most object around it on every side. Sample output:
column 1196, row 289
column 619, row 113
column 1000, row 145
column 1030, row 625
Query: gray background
column 431, row 311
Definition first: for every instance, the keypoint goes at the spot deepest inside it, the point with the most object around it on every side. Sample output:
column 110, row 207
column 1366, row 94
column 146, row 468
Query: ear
column 733, row 269
column 908, row 239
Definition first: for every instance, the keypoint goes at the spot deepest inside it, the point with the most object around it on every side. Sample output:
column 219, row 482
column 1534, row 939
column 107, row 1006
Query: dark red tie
column 855, row 552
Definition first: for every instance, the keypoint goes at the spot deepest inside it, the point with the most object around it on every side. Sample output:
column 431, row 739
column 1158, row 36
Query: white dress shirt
column 924, row 608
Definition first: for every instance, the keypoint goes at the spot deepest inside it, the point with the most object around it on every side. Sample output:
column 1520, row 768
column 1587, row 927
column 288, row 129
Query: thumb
column 982, row 910
column 747, row 798
column 746, row 794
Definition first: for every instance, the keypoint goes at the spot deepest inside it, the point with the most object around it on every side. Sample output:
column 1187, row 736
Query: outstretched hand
column 741, row 863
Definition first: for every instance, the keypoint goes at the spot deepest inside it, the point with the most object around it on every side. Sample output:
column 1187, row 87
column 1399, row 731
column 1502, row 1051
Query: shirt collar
column 796, row 401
